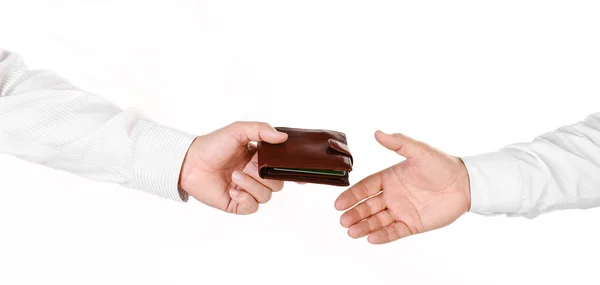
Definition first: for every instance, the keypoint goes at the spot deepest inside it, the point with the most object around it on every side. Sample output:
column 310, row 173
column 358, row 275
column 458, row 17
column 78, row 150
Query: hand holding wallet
column 308, row 155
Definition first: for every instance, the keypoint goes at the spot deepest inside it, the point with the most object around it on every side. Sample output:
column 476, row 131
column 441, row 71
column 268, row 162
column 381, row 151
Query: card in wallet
column 310, row 156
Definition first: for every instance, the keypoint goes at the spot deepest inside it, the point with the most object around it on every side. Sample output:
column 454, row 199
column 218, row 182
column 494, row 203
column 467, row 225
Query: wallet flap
column 340, row 147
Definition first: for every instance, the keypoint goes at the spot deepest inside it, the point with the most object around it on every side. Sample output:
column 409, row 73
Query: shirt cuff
column 158, row 158
column 494, row 181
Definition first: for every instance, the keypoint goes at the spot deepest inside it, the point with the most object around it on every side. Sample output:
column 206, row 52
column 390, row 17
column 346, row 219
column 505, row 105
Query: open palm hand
column 427, row 191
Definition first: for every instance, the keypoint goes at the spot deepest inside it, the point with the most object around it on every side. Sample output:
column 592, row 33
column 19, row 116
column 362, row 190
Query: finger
column 246, row 203
column 260, row 192
column 257, row 131
column 391, row 233
column 252, row 170
column 401, row 144
column 362, row 211
column 372, row 224
column 359, row 191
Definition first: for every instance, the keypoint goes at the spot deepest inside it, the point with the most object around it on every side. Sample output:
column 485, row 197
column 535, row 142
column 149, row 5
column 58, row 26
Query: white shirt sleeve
column 46, row 120
column 558, row 170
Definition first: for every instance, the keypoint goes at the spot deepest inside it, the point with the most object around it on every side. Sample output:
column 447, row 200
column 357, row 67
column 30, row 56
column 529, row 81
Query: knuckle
column 381, row 203
column 374, row 224
column 357, row 215
column 397, row 230
column 238, row 124
column 363, row 228
column 367, row 208
column 252, row 124
column 262, row 125
column 390, row 233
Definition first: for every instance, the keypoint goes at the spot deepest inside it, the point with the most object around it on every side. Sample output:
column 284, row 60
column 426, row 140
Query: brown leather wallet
column 311, row 156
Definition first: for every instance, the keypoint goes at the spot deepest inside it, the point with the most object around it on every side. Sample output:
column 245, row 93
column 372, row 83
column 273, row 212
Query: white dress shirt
column 46, row 120
column 558, row 170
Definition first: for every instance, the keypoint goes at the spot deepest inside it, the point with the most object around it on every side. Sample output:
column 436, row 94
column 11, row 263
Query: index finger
column 365, row 188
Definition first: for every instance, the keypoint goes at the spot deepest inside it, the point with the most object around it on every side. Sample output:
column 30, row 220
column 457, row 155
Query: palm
column 215, row 170
column 424, row 192
column 211, row 163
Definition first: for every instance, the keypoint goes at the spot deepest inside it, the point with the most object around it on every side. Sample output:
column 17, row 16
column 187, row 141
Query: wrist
column 181, row 181
column 188, row 167
column 465, row 184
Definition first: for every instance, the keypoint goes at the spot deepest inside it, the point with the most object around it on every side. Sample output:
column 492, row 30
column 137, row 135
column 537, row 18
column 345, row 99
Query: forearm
column 558, row 170
column 46, row 120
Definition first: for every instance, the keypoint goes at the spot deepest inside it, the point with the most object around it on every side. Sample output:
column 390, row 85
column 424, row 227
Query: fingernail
column 252, row 167
column 237, row 176
column 234, row 192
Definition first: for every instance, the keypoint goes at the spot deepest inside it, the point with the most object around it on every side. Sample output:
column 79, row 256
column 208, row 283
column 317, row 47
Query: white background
column 467, row 77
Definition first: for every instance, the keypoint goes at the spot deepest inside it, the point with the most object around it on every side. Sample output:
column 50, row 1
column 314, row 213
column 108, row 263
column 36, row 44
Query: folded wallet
column 310, row 156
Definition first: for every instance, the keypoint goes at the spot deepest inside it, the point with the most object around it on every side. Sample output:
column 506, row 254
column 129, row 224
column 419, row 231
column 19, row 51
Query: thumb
column 401, row 144
column 258, row 131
